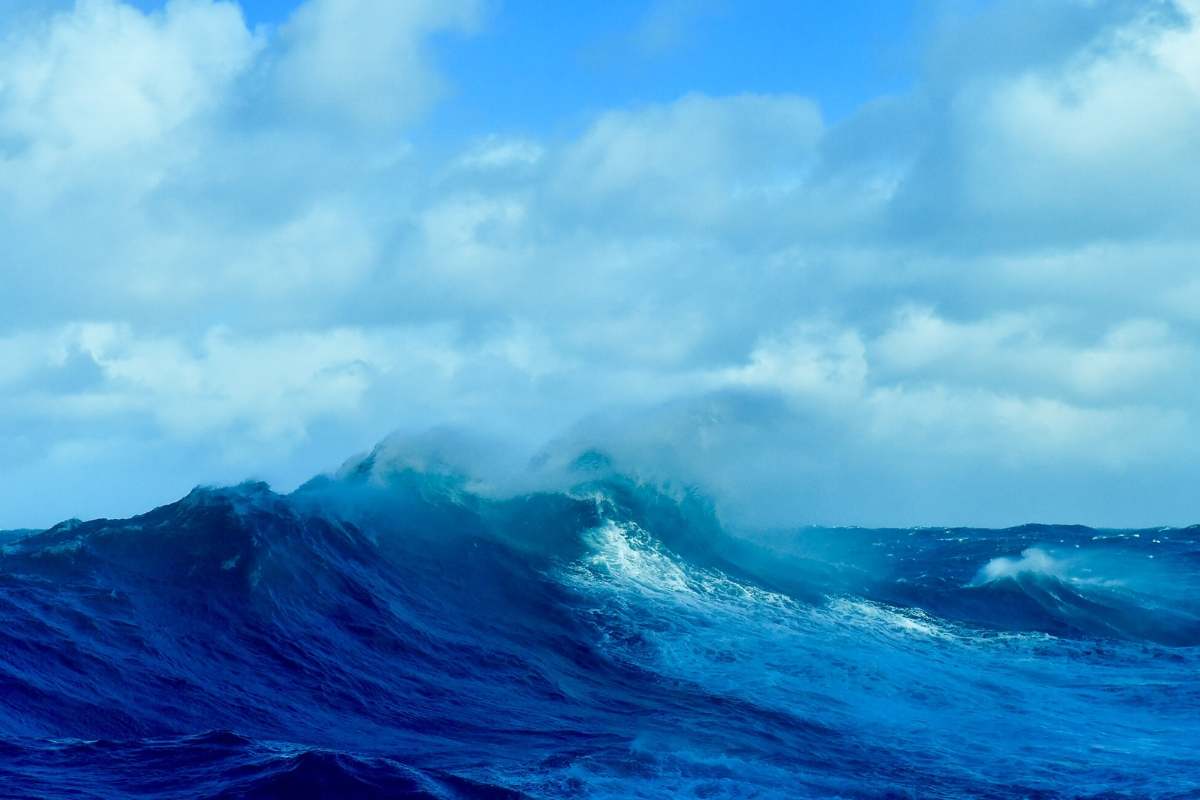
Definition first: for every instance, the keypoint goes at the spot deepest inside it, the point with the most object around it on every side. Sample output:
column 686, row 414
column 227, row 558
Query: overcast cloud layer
column 227, row 253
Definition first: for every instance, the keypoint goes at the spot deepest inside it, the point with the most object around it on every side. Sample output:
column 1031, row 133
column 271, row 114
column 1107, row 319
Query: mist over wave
column 433, row 622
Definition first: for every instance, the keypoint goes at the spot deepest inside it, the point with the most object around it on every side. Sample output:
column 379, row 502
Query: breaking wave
column 398, row 630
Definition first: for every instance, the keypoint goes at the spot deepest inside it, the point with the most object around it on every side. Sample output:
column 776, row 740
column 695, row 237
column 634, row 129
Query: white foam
column 1032, row 561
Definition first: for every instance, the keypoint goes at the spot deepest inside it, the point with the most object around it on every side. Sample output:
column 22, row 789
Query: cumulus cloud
column 228, row 252
column 700, row 160
column 1085, row 139
column 106, row 77
column 365, row 62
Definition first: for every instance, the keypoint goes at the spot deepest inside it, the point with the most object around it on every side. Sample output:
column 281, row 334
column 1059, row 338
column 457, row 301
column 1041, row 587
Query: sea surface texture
column 397, row 632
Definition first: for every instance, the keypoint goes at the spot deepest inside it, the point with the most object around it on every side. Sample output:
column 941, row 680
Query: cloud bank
column 231, row 251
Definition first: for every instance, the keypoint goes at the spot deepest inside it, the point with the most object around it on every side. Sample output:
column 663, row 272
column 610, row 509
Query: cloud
column 1021, row 350
column 497, row 153
column 105, row 77
column 365, row 62
column 666, row 24
column 808, row 362
column 233, row 252
column 1085, row 139
column 698, row 160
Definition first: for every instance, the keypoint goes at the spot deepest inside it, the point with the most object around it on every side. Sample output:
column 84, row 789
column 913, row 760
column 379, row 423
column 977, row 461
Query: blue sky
column 543, row 66
column 532, row 66
column 861, row 263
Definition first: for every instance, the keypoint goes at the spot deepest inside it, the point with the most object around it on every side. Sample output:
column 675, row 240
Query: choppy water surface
column 390, row 633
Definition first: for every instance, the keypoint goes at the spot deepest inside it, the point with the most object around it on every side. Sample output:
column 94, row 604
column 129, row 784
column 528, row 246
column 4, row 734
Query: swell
column 219, row 764
column 391, row 630
column 1069, row 581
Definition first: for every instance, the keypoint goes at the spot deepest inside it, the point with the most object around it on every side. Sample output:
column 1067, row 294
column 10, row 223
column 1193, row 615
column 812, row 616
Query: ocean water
column 397, row 633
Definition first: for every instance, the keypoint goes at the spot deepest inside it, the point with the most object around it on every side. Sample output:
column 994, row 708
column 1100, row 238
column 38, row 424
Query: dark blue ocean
column 400, row 633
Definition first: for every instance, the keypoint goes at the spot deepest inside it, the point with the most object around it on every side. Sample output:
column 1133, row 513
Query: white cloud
column 222, row 250
column 270, row 388
column 106, row 77
column 1027, row 352
column 473, row 234
column 499, row 153
column 809, row 361
column 699, row 159
column 366, row 62
column 1092, row 145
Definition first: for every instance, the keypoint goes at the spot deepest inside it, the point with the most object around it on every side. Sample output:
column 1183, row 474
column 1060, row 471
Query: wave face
column 393, row 633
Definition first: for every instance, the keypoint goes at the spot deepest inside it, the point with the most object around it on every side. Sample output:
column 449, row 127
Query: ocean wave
column 221, row 764
column 401, row 629
column 1066, row 594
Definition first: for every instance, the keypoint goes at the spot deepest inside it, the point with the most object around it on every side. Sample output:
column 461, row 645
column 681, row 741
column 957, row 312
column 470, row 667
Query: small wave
column 220, row 765
column 1068, row 595
column 1032, row 561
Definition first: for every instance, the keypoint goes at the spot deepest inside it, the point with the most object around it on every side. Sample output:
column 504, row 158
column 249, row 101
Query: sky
column 872, row 263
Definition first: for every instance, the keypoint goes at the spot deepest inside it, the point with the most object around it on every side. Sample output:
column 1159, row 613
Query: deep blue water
column 392, row 633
